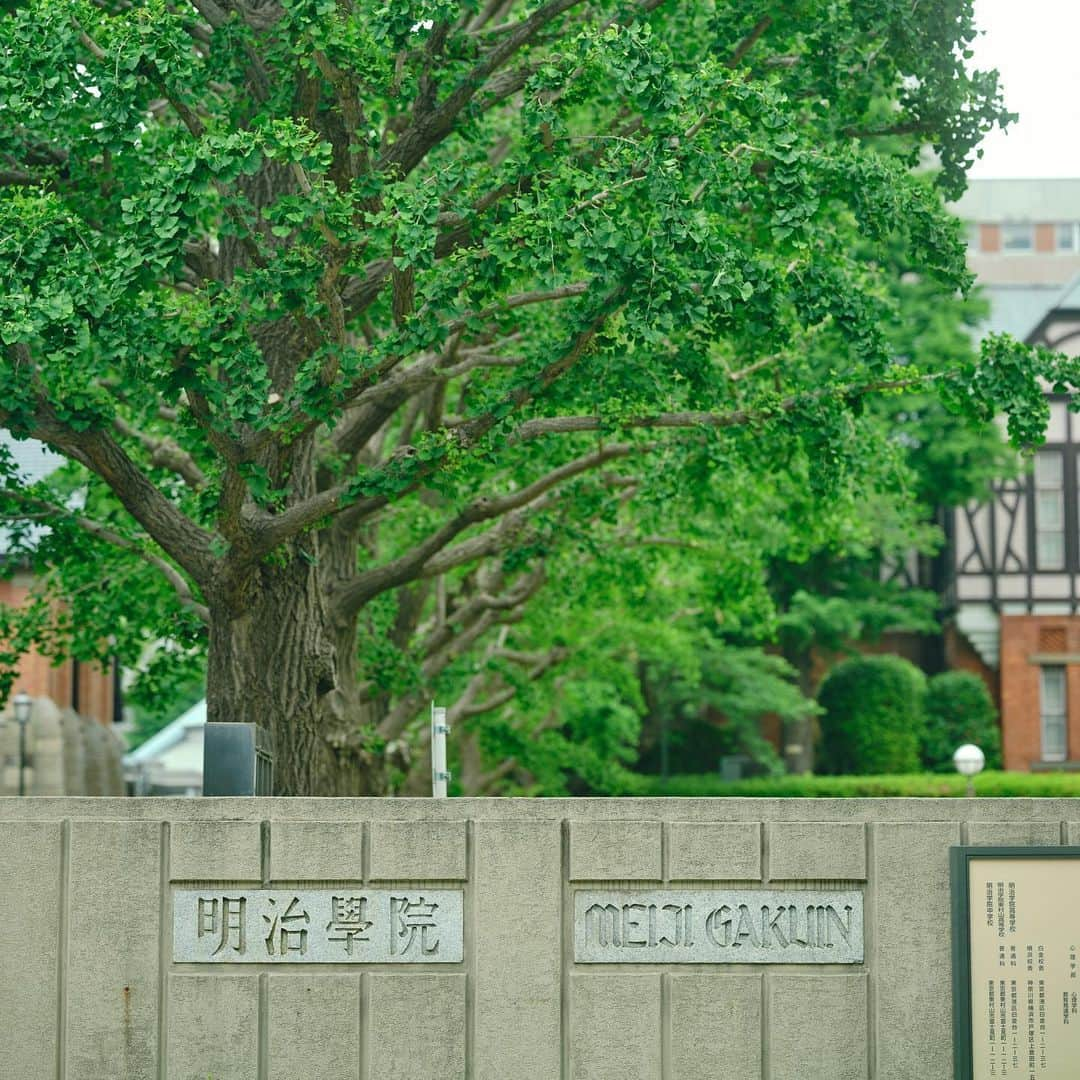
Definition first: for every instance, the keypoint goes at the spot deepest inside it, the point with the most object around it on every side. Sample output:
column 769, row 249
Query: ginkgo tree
column 346, row 314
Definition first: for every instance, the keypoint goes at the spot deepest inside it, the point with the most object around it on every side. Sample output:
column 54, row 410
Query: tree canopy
column 356, row 319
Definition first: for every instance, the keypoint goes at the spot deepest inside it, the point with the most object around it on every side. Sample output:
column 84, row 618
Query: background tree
column 347, row 315
column 873, row 719
column 959, row 709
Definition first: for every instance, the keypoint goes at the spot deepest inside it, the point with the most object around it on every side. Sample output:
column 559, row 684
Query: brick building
column 82, row 687
column 1014, row 561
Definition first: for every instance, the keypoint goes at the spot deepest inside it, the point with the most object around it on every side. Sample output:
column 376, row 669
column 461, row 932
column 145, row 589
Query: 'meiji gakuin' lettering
column 718, row 926
column 783, row 926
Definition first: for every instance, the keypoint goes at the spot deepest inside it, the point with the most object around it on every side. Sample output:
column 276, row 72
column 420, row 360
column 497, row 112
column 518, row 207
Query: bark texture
column 275, row 661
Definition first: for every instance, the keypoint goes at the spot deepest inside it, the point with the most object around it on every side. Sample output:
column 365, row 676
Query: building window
column 1049, row 511
column 1017, row 238
column 1065, row 233
column 1052, row 713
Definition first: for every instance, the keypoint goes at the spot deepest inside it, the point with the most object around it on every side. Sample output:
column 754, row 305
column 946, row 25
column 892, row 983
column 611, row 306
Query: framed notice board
column 1016, row 962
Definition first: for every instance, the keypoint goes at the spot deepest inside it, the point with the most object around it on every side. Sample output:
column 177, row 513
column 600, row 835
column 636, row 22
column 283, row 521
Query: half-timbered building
column 1013, row 581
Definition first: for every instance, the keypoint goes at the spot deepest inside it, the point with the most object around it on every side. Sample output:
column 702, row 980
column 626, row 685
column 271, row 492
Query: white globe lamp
column 969, row 761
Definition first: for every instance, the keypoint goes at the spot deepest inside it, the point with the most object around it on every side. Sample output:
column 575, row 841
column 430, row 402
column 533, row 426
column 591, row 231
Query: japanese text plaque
column 346, row 925
column 1021, row 934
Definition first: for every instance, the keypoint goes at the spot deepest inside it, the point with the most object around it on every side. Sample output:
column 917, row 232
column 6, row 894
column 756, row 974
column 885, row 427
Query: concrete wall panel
column 615, row 850
column 615, row 1027
column 410, row 850
column 316, row 850
column 817, row 1024
column 809, row 850
column 912, row 943
column 313, row 1027
column 416, row 1027
column 714, row 851
column 517, row 931
column 30, row 929
column 114, row 899
column 1011, row 833
column 216, row 851
column 715, row 1027
column 214, row 1028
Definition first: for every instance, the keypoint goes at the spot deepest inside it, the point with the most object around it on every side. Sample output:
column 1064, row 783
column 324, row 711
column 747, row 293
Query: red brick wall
column 1020, row 727
column 1045, row 238
column 39, row 677
column 990, row 238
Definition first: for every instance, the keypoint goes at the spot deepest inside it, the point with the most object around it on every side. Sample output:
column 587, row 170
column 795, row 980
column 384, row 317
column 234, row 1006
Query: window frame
column 1045, row 716
column 1028, row 227
column 1062, row 529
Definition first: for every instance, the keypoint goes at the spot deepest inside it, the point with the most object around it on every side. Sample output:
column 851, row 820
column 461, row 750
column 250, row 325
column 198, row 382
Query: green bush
column 959, row 710
column 1046, row 785
column 872, row 719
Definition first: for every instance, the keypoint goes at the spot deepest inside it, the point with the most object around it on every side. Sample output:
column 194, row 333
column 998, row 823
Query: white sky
column 1035, row 45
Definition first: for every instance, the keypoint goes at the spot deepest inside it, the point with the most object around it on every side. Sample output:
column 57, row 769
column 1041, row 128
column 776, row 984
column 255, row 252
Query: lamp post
column 23, row 705
column 969, row 761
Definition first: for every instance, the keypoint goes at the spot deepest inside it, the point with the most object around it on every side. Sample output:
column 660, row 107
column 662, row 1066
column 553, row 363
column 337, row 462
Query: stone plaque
column 1022, row 935
column 718, row 926
column 317, row 926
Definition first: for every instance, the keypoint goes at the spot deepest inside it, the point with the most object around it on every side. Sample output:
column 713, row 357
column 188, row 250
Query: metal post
column 439, row 773
column 22, row 757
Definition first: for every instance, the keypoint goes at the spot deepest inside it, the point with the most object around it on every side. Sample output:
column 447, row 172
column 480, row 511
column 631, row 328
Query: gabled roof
column 1067, row 302
column 1018, row 309
column 173, row 733
column 1070, row 296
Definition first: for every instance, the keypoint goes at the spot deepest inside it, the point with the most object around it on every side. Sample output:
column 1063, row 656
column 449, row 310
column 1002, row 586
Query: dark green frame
column 959, row 860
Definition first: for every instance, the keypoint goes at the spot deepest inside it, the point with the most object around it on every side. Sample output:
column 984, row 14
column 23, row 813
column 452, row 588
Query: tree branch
column 269, row 530
column 102, row 532
column 480, row 615
column 181, row 538
column 429, row 127
column 165, row 453
column 371, row 583
column 563, row 425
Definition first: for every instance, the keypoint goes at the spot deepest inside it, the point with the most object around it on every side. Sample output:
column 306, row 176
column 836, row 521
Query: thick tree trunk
column 276, row 664
column 799, row 733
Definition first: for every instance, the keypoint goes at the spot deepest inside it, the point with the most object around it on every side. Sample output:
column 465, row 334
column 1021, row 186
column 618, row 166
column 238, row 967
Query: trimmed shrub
column 1041, row 785
column 872, row 719
column 959, row 710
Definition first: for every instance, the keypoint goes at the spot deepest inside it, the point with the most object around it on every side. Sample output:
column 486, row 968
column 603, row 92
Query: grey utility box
column 237, row 760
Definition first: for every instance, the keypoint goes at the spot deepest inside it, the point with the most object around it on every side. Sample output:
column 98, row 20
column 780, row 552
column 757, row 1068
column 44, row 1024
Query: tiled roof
column 1018, row 309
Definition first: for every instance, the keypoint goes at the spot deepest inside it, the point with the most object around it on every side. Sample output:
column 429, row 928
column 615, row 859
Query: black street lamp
column 23, row 704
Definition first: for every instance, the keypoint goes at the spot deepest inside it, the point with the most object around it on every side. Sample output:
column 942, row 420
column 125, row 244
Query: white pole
column 439, row 773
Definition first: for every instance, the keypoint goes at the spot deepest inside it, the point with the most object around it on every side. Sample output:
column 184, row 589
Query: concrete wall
column 89, row 991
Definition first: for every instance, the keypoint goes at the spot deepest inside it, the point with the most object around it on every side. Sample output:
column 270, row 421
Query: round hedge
column 872, row 720
column 959, row 710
